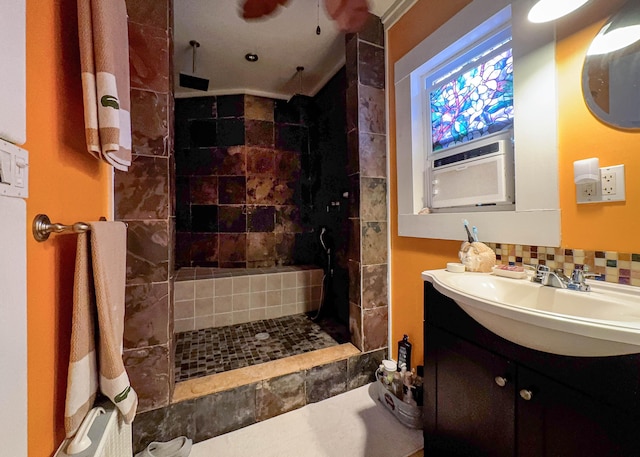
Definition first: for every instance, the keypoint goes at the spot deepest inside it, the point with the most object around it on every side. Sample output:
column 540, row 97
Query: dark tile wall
column 366, row 140
column 143, row 199
column 331, row 207
column 239, row 162
column 222, row 412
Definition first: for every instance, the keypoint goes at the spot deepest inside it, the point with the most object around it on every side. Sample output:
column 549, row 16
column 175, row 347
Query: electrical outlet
column 589, row 189
column 612, row 183
column 608, row 182
column 588, row 192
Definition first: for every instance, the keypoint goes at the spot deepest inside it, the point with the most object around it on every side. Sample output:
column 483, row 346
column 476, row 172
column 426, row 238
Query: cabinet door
column 559, row 421
column 474, row 405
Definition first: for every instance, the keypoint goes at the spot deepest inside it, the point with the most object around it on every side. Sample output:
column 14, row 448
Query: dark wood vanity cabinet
column 485, row 396
column 469, row 413
column 560, row 421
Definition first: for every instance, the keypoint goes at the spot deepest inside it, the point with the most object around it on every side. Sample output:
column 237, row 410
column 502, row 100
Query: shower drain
column 262, row 336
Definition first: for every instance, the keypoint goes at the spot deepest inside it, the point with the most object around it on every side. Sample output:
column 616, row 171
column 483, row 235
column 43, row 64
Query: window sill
column 537, row 227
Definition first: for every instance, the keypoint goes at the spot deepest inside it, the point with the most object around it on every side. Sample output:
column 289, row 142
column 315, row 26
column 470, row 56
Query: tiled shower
column 258, row 180
column 148, row 197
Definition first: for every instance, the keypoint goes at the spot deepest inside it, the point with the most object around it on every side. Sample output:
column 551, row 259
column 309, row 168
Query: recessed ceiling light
column 251, row 57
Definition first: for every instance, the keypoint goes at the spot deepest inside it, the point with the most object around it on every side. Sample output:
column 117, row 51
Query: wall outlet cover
column 610, row 188
column 612, row 183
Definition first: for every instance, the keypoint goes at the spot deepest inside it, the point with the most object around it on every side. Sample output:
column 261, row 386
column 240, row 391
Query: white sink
column 602, row 322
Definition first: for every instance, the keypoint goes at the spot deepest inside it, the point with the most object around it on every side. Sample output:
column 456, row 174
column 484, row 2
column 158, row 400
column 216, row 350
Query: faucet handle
column 578, row 275
column 578, row 279
column 541, row 272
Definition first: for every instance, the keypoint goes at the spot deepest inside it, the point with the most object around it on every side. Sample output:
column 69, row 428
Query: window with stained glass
column 474, row 99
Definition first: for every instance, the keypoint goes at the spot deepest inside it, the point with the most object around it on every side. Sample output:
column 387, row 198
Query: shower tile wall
column 239, row 193
column 143, row 200
column 331, row 202
column 366, row 138
column 218, row 302
column 217, row 413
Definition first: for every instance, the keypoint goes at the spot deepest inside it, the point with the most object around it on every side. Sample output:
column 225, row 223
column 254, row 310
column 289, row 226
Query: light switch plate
column 14, row 170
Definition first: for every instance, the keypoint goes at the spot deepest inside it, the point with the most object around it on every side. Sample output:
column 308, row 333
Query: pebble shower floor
column 215, row 350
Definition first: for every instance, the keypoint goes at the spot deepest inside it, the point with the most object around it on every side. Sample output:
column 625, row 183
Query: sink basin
column 602, row 322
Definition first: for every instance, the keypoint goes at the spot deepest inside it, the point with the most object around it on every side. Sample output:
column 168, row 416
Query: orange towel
column 99, row 292
column 104, row 59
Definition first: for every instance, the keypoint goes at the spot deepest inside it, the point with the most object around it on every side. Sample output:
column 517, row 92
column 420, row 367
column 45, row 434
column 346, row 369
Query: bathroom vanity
column 487, row 396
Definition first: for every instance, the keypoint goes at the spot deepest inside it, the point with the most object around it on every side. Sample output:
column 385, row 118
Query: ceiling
column 283, row 41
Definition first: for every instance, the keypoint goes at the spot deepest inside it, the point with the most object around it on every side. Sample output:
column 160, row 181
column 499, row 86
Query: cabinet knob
column 526, row 394
column 501, row 380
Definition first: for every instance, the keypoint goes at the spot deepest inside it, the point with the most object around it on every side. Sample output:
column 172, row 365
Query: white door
column 13, row 327
column 13, row 230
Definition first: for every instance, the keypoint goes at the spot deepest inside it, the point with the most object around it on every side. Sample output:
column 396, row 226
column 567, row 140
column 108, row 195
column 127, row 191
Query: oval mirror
column 611, row 70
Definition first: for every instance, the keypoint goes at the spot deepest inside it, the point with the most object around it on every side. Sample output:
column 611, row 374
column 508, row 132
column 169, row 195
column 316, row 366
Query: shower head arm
column 194, row 44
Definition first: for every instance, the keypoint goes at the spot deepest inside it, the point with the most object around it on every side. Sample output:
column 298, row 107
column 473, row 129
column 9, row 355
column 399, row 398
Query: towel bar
column 42, row 227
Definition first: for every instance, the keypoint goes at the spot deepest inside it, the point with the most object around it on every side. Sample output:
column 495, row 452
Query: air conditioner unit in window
column 473, row 174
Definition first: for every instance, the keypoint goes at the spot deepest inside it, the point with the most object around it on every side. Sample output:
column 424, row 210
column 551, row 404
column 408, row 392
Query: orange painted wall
column 611, row 226
column 68, row 185
column 602, row 227
column 411, row 256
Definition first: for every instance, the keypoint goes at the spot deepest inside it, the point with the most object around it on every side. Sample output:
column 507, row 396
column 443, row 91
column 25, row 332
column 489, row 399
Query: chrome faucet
column 558, row 279
column 546, row 277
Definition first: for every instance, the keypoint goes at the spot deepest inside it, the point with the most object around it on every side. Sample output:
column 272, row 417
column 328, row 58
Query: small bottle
column 396, row 386
column 402, row 381
column 390, row 368
column 417, row 386
column 408, row 388
column 404, row 352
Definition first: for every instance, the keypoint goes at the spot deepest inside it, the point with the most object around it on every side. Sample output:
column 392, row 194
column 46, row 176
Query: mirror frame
column 606, row 61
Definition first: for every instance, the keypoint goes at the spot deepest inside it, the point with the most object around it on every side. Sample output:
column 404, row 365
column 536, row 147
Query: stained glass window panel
column 475, row 103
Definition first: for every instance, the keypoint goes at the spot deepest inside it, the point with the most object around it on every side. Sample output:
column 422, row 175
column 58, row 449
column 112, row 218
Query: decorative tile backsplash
column 610, row 266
